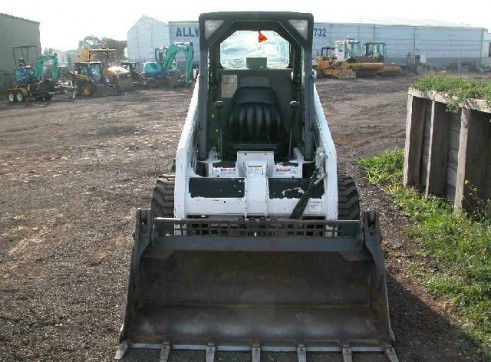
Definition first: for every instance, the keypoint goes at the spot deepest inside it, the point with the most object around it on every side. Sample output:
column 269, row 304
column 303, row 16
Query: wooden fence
column 448, row 154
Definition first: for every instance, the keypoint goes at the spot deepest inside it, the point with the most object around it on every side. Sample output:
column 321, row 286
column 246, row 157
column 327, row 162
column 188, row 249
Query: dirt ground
column 72, row 174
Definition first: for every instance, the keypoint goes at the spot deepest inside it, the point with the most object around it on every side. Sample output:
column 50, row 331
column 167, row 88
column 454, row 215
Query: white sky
column 64, row 23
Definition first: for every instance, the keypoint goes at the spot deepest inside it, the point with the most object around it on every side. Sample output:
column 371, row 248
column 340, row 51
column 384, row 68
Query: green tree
column 90, row 42
column 119, row 45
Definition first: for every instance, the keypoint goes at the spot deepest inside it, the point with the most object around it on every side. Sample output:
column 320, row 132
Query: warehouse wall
column 441, row 45
column 486, row 50
column 16, row 31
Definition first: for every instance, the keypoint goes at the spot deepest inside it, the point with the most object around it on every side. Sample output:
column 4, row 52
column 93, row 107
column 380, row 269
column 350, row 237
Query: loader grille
column 258, row 227
column 257, row 235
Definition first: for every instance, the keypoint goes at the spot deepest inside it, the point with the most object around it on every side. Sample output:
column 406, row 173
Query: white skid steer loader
column 255, row 243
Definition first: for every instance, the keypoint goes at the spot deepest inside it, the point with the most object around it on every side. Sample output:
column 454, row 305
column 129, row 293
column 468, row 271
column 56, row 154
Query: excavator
column 39, row 81
column 161, row 71
column 253, row 242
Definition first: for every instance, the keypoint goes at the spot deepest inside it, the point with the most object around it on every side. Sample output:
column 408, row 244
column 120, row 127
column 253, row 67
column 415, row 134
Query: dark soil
column 72, row 174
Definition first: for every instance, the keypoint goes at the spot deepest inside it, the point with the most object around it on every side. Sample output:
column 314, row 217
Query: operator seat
column 254, row 119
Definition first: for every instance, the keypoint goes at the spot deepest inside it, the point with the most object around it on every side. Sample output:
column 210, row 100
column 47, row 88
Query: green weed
column 458, row 245
column 460, row 89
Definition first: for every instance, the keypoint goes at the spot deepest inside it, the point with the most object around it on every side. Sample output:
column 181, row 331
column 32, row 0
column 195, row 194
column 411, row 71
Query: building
column 440, row 44
column 186, row 31
column 144, row 37
column 487, row 50
column 15, row 32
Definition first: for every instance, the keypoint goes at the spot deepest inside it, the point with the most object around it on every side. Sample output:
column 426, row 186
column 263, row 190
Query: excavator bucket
column 281, row 285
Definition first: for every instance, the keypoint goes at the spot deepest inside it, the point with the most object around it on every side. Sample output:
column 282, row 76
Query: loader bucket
column 346, row 74
column 275, row 286
column 103, row 90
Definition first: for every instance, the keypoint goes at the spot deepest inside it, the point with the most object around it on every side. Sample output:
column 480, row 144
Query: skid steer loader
column 255, row 243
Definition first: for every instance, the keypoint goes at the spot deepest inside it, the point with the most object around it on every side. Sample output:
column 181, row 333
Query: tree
column 119, row 45
column 90, row 42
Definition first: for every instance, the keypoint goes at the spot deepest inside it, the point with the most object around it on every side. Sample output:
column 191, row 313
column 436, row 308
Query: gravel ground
column 72, row 174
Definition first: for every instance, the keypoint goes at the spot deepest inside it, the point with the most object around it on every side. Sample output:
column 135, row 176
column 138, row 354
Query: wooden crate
column 448, row 154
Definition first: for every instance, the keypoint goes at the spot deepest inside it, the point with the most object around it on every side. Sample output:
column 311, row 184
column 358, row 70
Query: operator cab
column 256, row 89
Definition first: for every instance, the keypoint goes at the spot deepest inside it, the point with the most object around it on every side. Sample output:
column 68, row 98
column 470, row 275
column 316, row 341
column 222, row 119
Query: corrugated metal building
column 185, row 31
column 487, row 49
column 440, row 44
column 143, row 37
column 16, row 31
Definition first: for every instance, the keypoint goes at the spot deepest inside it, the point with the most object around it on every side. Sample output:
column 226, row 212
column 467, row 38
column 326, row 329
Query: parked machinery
column 376, row 51
column 97, row 78
column 164, row 71
column 367, row 61
column 39, row 81
column 327, row 65
column 254, row 241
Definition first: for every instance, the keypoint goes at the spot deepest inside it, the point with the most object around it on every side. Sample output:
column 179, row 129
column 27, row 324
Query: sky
column 63, row 23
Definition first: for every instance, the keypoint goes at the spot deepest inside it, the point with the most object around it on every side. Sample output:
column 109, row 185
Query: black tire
column 163, row 197
column 349, row 202
column 152, row 84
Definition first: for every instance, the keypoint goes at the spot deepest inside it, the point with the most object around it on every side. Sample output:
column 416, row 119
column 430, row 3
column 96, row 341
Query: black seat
column 254, row 117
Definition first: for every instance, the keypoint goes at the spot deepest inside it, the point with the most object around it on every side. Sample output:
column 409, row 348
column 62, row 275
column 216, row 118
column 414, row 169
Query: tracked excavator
column 162, row 72
column 254, row 242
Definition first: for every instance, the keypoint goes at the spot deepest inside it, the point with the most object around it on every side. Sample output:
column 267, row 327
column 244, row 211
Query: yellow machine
column 366, row 63
column 327, row 65
column 96, row 78
column 376, row 51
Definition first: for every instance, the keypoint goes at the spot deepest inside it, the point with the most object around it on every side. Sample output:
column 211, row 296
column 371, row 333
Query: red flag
column 261, row 37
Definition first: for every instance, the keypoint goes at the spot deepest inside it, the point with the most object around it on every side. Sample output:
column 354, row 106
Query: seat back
column 254, row 117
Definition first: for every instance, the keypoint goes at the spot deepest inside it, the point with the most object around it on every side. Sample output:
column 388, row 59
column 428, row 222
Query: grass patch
column 458, row 246
column 459, row 88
